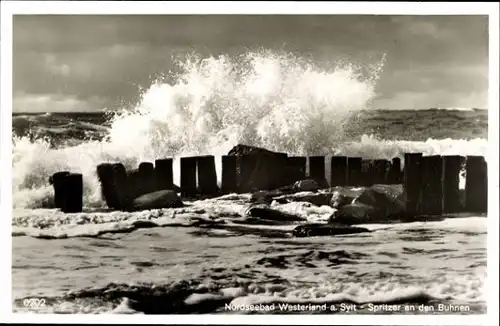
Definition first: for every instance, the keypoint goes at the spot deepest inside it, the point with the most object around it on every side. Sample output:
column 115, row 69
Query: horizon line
column 374, row 109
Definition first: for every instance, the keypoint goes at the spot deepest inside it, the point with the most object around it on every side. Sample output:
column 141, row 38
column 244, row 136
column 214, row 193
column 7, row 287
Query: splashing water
column 273, row 100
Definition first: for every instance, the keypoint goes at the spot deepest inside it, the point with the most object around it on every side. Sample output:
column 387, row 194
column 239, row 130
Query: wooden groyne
column 430, row 183
column 68, row 191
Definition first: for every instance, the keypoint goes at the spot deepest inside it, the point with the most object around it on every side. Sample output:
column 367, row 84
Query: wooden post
column 229, row 181
column 412, row 183
column 476, row 185
column 121, row 185
column 354, row 175
column 432, row 185
column 262, row 171
column 141, row 180
column 188, row 177
column 380, row 168
column 146, row 177
column 73, row 200
column 115, row 186
column 451, row 182
column 164, row 174
column 207, row 175
column 338, row 175
column 297, row 168
column 317, row 169
column 247, row 164
column 367, row 173
column 57, row 182
column 278, row 173
column 395, row 172
column 134, row 184
column 106, row 176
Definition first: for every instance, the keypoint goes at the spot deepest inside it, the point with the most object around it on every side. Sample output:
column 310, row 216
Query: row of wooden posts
column 431, row 183
column 346, row 171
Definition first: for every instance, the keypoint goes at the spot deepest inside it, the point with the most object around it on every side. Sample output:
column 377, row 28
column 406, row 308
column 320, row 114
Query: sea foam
column 270, row 99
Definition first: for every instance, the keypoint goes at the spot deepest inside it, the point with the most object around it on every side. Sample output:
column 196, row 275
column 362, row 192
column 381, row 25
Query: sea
column 197, row 259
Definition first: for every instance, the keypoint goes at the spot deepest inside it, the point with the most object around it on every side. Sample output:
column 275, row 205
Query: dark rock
column 263, row 211
column 318, row 199
column 383, row 198
column 317, row 229
column 144, row 224
column 119, row 187
column 306, row 185
column 373, row 205
column 340, row 199
column 266, row 196
column 260, row 221
column 240, row 150
column 358, row 214
column 262, row 197
column 322, row 183
column 259, row 168
column 156, row 200
column 288, row 189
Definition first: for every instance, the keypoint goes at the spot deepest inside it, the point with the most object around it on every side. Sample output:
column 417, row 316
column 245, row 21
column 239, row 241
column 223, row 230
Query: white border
column 8, row 8
column 247, row 7
column 493, row 185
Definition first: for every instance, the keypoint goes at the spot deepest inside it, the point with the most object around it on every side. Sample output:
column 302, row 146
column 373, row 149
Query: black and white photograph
column 219, row 163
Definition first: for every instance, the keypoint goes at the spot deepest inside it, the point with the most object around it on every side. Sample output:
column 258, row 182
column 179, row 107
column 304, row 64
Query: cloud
column 114, row 72
column 56, row 69
column 450, row 78
column 111, row 57
column 425, row 28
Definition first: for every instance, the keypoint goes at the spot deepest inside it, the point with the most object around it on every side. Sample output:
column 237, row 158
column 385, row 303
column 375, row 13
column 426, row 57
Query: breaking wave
column 274, row 100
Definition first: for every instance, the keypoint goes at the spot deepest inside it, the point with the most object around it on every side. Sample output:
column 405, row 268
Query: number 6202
column 34, row 302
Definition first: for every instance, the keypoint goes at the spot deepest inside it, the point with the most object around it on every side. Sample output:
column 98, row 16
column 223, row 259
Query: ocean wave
column 59, row 131
column 197, row 296
column 461, row 109
column 34, row 162
column 228, row 212
column 268, row 99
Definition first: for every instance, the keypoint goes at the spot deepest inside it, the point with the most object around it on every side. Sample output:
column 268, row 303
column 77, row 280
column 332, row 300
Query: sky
column 88, row 63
